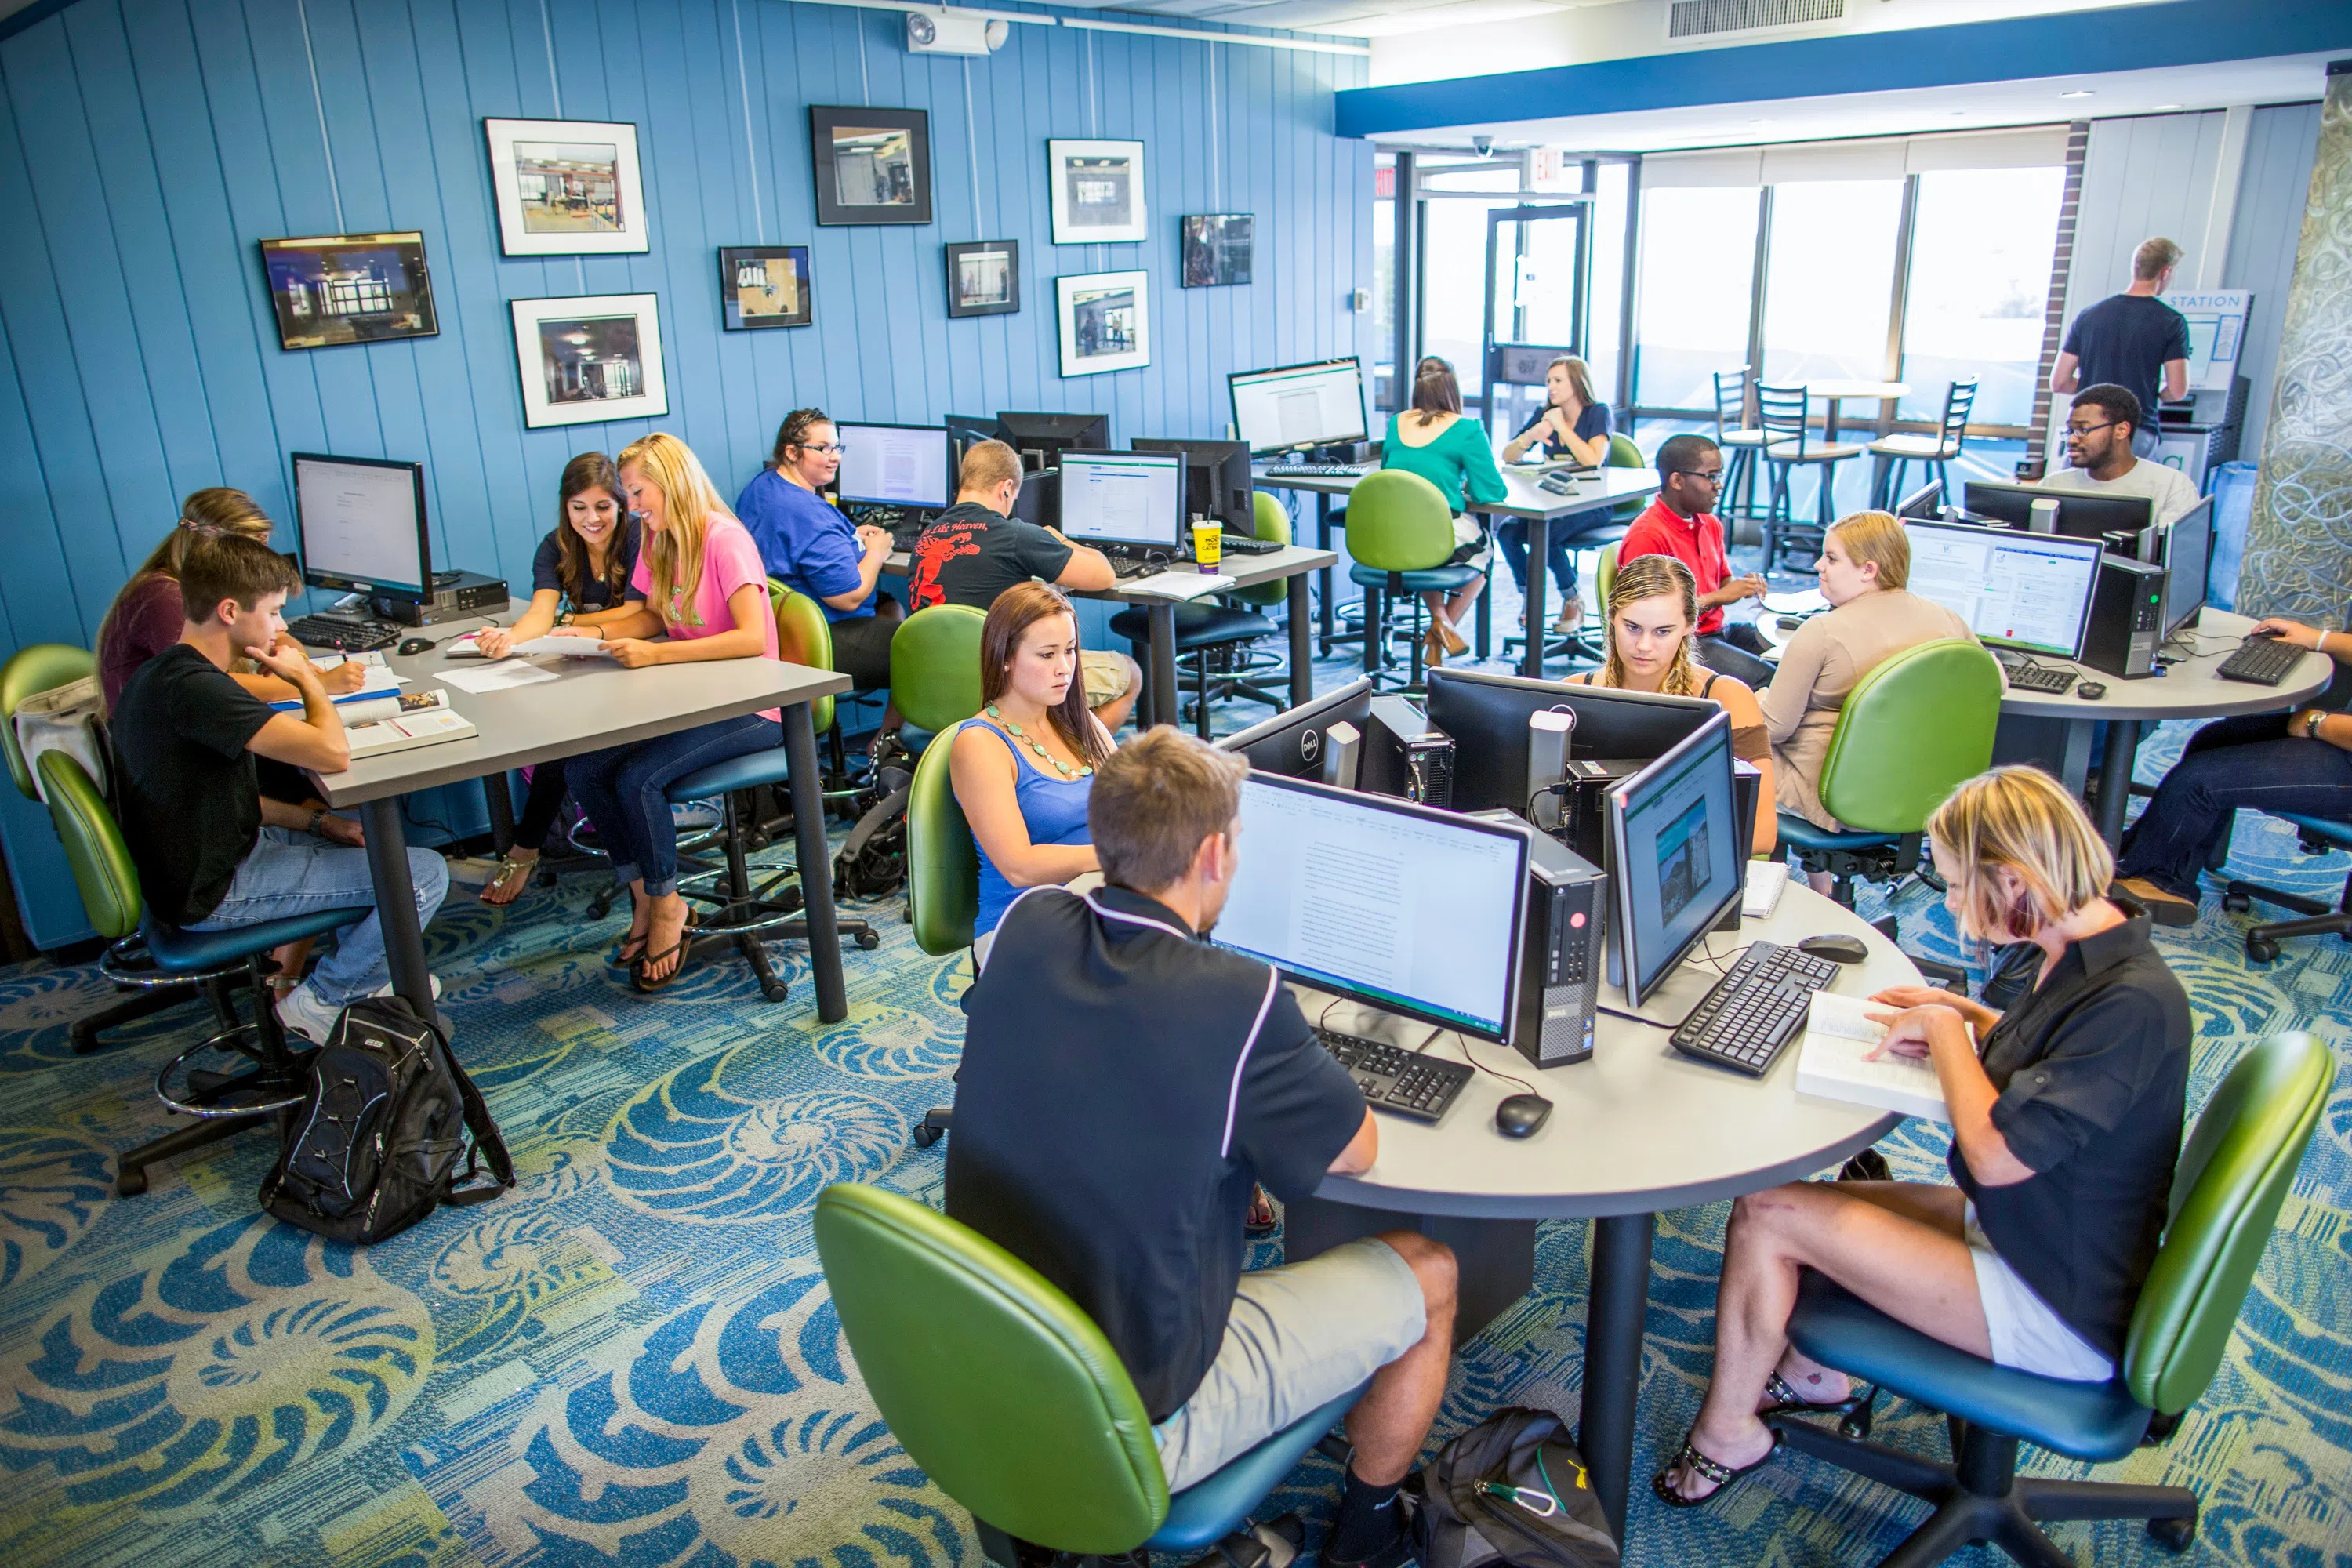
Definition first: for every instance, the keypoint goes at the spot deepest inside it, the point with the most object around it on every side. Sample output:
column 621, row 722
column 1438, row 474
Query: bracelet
column 2321, row 646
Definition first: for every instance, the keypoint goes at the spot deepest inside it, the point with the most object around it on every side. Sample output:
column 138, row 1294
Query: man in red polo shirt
column 1679, row 524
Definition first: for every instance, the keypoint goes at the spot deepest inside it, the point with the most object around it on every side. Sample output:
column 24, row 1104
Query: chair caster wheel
column 2236, row 904
column 2261, row 951
column 543, row 880
column 926, row 1134
column 868, row 941
column 1856, row 1426
column 2173, row 1534
column 131, row 1183
column 599, row 906
column 774, row 990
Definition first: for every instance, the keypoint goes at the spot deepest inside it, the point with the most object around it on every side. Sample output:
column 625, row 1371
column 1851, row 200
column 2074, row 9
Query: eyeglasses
column 2073, row 429
column 821, row 451
column 1710, row 476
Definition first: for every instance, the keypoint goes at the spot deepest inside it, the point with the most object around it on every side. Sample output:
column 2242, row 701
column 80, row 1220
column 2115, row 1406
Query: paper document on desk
column 1766, row 881
column 422, row 728
column 495, row 676
column 1831, row 1062
column 1183, row 584
column 569, row 647
column 378, row 682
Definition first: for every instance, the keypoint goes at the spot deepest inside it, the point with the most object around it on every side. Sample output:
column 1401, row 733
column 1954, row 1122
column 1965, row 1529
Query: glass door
column 1538, row 263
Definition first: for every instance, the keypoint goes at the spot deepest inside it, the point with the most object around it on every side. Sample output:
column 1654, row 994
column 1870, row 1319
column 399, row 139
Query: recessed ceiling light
column 2078, row 92
column 2162, row 107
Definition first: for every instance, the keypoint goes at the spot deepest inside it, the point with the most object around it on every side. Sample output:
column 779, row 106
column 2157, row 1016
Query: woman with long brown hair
column 1432, row 439
column 1573, row 423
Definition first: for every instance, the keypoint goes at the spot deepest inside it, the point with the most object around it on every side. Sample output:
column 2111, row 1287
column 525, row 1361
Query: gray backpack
column 1511, row 1490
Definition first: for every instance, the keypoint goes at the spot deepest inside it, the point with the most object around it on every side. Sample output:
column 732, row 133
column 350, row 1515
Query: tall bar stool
column 1739, row 440
column 1788, row 447
column 1891, row 454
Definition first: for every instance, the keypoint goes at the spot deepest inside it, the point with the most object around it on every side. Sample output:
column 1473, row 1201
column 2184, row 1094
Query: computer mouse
column 1520, row 1115
column 2090, row 691
column 416, row 645
column 1836, row 949
column 1789, row 623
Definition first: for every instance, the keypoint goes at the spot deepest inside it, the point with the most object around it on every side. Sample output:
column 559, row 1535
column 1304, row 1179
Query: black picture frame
column 883, row 152
column 1217, row 250
column 750, row 275
column 339, row 290
column 977, row 284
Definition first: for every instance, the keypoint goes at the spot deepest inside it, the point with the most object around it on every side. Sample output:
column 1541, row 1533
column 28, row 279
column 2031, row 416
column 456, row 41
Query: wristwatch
column 2311, row 724
column 317, row 817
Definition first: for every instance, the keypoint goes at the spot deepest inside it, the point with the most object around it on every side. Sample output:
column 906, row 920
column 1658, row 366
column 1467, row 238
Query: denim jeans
column 291, row 873
column 1511, row 533
column 622, row 790
column 2248, row 762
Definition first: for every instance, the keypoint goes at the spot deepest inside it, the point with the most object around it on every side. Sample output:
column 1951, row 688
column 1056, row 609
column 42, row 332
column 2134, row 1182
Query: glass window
column 1698, row 258
column 1830, row 279
column 1453, row 287
column 1607, row 312
column 1980, row 257
column 1384, row 279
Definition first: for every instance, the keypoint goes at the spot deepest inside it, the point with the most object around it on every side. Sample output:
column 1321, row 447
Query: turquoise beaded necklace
column 1018, row 733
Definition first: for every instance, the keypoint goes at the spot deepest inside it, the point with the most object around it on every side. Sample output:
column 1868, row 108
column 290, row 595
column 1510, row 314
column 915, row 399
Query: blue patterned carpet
column 634, row 1359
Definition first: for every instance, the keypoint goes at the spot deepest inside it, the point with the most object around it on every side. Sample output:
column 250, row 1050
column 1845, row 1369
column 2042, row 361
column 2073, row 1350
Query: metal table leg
column 1323, row 574
column 1302, row 640
column 1538, row 622
column 815, row 857
column 1612, row 1352
column 500, row 798
column 2115, row 778
column 395, row 903
column 1166, row 706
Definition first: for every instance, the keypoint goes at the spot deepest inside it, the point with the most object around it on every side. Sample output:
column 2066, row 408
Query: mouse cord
column 1464, row 1047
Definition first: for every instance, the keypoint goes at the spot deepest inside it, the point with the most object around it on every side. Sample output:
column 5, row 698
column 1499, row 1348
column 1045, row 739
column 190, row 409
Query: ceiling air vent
column 1700, row 19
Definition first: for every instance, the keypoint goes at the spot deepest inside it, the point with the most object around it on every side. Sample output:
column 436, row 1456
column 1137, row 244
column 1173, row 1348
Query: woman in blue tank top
column 1022, row 768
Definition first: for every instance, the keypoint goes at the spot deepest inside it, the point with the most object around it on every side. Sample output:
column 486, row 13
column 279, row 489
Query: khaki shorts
column 1105, row 675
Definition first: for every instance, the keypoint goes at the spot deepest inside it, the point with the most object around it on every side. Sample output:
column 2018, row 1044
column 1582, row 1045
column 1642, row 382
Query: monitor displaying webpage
column 2030, row 591
column 1123, row 497
column 1685, row 852
column 1299, row 406
column 359, row 521
column 894, row 465
column 1390, row 905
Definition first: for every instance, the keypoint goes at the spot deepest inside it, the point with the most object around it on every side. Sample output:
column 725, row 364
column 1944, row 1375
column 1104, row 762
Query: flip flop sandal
column 1707, row 1469
column 1261, row 1221
column 1853, row 1412
column 507, row 865
column 677, row 949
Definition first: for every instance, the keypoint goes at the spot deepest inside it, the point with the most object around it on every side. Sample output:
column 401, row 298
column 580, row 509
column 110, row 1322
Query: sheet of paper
column 1190, row 584
column 497, row 677
column 569, row 647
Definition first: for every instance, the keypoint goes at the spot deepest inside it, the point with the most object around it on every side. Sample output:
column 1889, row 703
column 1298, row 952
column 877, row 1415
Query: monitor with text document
column 361, row 525
column 1123, row 497
column 895, row 465
column 2029, row 591
column 1404, row 908
column 1677, row 851
column 1298, row 405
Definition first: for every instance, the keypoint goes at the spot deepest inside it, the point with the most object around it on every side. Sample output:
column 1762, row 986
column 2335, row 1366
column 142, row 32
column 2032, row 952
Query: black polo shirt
column 2092, row 1069
column 1123, row 1085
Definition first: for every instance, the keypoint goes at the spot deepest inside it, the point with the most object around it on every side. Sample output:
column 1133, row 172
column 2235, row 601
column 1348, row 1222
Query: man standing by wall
column 2133, row 339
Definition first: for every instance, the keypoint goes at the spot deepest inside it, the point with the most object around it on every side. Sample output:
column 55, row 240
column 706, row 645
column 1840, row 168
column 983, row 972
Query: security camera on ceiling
column 1482, row 145
column 947, row 32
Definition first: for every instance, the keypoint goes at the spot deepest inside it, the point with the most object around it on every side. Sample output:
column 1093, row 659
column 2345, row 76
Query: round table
column 1831, row 393
column 1637, row 1129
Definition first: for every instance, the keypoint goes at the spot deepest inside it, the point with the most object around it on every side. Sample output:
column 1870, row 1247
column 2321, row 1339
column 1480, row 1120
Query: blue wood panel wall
column 2264, row 232
column 147, row 145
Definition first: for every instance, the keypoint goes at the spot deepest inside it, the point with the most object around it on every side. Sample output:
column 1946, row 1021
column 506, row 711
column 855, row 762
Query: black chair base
column 226, row 1103
column 1880, row 863
column 1980, row 1497
column 2262, row 941
column 936, row 1124
column 83, row 1032
column 745, row 913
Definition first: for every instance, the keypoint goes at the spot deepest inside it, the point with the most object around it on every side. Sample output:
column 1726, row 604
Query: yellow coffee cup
column 1208, row 543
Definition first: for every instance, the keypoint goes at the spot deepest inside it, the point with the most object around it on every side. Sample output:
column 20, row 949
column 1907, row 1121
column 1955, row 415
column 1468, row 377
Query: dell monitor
column 1403, row 907
column 895, row 465
column 1292, row 742
column 1486, row 715
column 1123, row 497
column 2028, row 591
column 1295, row 406
column 2080, row 516
column 1042, row 439
column 1925, row 501
column 1216, row 481
column 1678, row 856
column 361, row 525
column 2188, row 557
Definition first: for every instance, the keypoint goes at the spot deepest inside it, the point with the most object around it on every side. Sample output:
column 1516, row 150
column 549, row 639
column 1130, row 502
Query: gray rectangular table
column 591, row 704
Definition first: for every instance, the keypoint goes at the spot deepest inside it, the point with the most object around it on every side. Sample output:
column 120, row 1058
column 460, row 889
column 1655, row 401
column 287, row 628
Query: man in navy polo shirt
column 1124, row 1085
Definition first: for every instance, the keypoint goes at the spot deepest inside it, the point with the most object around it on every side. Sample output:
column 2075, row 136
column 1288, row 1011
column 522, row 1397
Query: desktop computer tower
column 1404, row 755
column 2126, row 623
column 1584, row 814
column 1562, row 941
column 456, row 596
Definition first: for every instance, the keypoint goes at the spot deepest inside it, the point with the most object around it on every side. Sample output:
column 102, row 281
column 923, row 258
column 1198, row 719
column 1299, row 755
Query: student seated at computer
column 1573, row 423
column 1653, row 606
column 977, row 548
column 1123, row 1085
column 1432, row 439
column 1681, row 522
column 2066, row 1115
column 2263, row 762
column 579, row 577
column 811, row 549
column 699, row 580
column 213, row 852
column 2100, row 424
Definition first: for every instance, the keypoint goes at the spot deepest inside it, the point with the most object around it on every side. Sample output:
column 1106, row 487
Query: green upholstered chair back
column 2232, row 1177
column 1913, row 729
column 1623, row 454
column 804, row 636
column 935, row 665
column 995, row 1384
column 101, row 864
column 1272, row 521
column 1398, row 522
column 1604, row 579
column 942, row 862
column 44, row 667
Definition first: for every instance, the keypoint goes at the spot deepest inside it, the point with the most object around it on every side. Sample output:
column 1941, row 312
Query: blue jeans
column 624, row 790
column 1511, row 533
column 2249, row 762
column 291, row 873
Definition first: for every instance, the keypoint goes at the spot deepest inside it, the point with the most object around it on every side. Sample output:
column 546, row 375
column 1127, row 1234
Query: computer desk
column 1596, row 491
column 1637, row 1129
column 591, row 704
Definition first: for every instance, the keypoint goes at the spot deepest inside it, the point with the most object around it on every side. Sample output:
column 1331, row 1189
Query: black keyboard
column 1234, row 544
column 1748, row 1014
column 2025, row 675
column 904, row 537
column 1318, row 471
column 349, row 637
column 2263, row 661
column 1124, row 566
column 1395, row 1079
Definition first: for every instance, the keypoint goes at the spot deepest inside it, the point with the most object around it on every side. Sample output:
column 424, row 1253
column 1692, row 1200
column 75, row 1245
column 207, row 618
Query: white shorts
column 2025, row 1332
column 1299, row 1336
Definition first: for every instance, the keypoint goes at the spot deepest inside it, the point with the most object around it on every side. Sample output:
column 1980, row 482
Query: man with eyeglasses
column 2099, row 430
column 1682, row 523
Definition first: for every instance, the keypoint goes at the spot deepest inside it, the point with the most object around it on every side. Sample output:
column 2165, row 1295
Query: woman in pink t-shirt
column 704, row 586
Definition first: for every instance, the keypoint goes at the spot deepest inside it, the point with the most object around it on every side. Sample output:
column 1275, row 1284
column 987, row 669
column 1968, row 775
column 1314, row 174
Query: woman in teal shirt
column 1432, row 439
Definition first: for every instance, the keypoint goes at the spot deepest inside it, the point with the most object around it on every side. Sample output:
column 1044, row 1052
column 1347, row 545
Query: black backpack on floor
column 1511, row 1492
column 373, row 1146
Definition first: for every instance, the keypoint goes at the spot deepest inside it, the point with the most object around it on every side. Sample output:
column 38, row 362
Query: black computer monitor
column 1040, row 500
column 1413, row 911
column 2188, row 558
column 1293, row 406
column 1486, row 715
column 2080, row 516
column 966, row 429
column 895, row 465
column 1291, row 742
column 1925, row 501
column 1042, row 439
column 361, row 525
column 1123, row 499
column 1677, row 853
column 2029, row 591
column 1216, row 480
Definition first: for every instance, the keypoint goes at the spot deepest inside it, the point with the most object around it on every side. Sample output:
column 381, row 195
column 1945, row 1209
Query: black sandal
column 1853, row 1411
column 686, row 935
column 1707, row 1469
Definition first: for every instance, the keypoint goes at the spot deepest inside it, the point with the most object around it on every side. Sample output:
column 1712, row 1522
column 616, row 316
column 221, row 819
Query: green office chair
column 1400, row 533
column 223, row 1104
column 942, row 883
column 1216, row 634
column 935, row 665
column 2233, row 1175
column 1010, row 1398
column 1624, row 454
column 1911, row 730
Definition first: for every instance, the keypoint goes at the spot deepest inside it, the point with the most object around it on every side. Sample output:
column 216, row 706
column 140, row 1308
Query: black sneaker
column 1401, row 1549
column 1870, row 1165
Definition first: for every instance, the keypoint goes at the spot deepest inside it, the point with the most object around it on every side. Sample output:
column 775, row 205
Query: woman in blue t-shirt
column 808, row 546
column 1574, row 424
column 580, row 577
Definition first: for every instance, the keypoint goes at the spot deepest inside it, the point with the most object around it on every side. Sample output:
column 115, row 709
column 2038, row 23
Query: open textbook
column 1832, row 1062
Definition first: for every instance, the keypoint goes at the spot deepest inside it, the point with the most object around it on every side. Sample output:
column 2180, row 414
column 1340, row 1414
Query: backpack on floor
column 373, row 1146
column 873, row 859
column 1511, row 1491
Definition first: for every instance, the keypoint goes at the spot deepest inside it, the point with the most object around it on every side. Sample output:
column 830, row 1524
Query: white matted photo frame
column 1097, row 192
column 567, row 187
column 1105, row 319
column 589, row 358
column 984, row 277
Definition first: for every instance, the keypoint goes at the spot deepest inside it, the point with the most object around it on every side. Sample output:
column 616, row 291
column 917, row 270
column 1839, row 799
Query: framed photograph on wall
column 1106, row 322
column 763, row 286
column 984, row 277
column 589, row 358
column 873, row 165
column 1097, row 189
column 1216, row 250
column 349, row 289
column 567, row 187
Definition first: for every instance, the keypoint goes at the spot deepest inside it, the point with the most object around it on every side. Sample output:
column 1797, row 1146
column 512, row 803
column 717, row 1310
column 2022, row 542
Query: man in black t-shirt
column 212, row 853
column 2132, row 340
column 1124, row 1085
